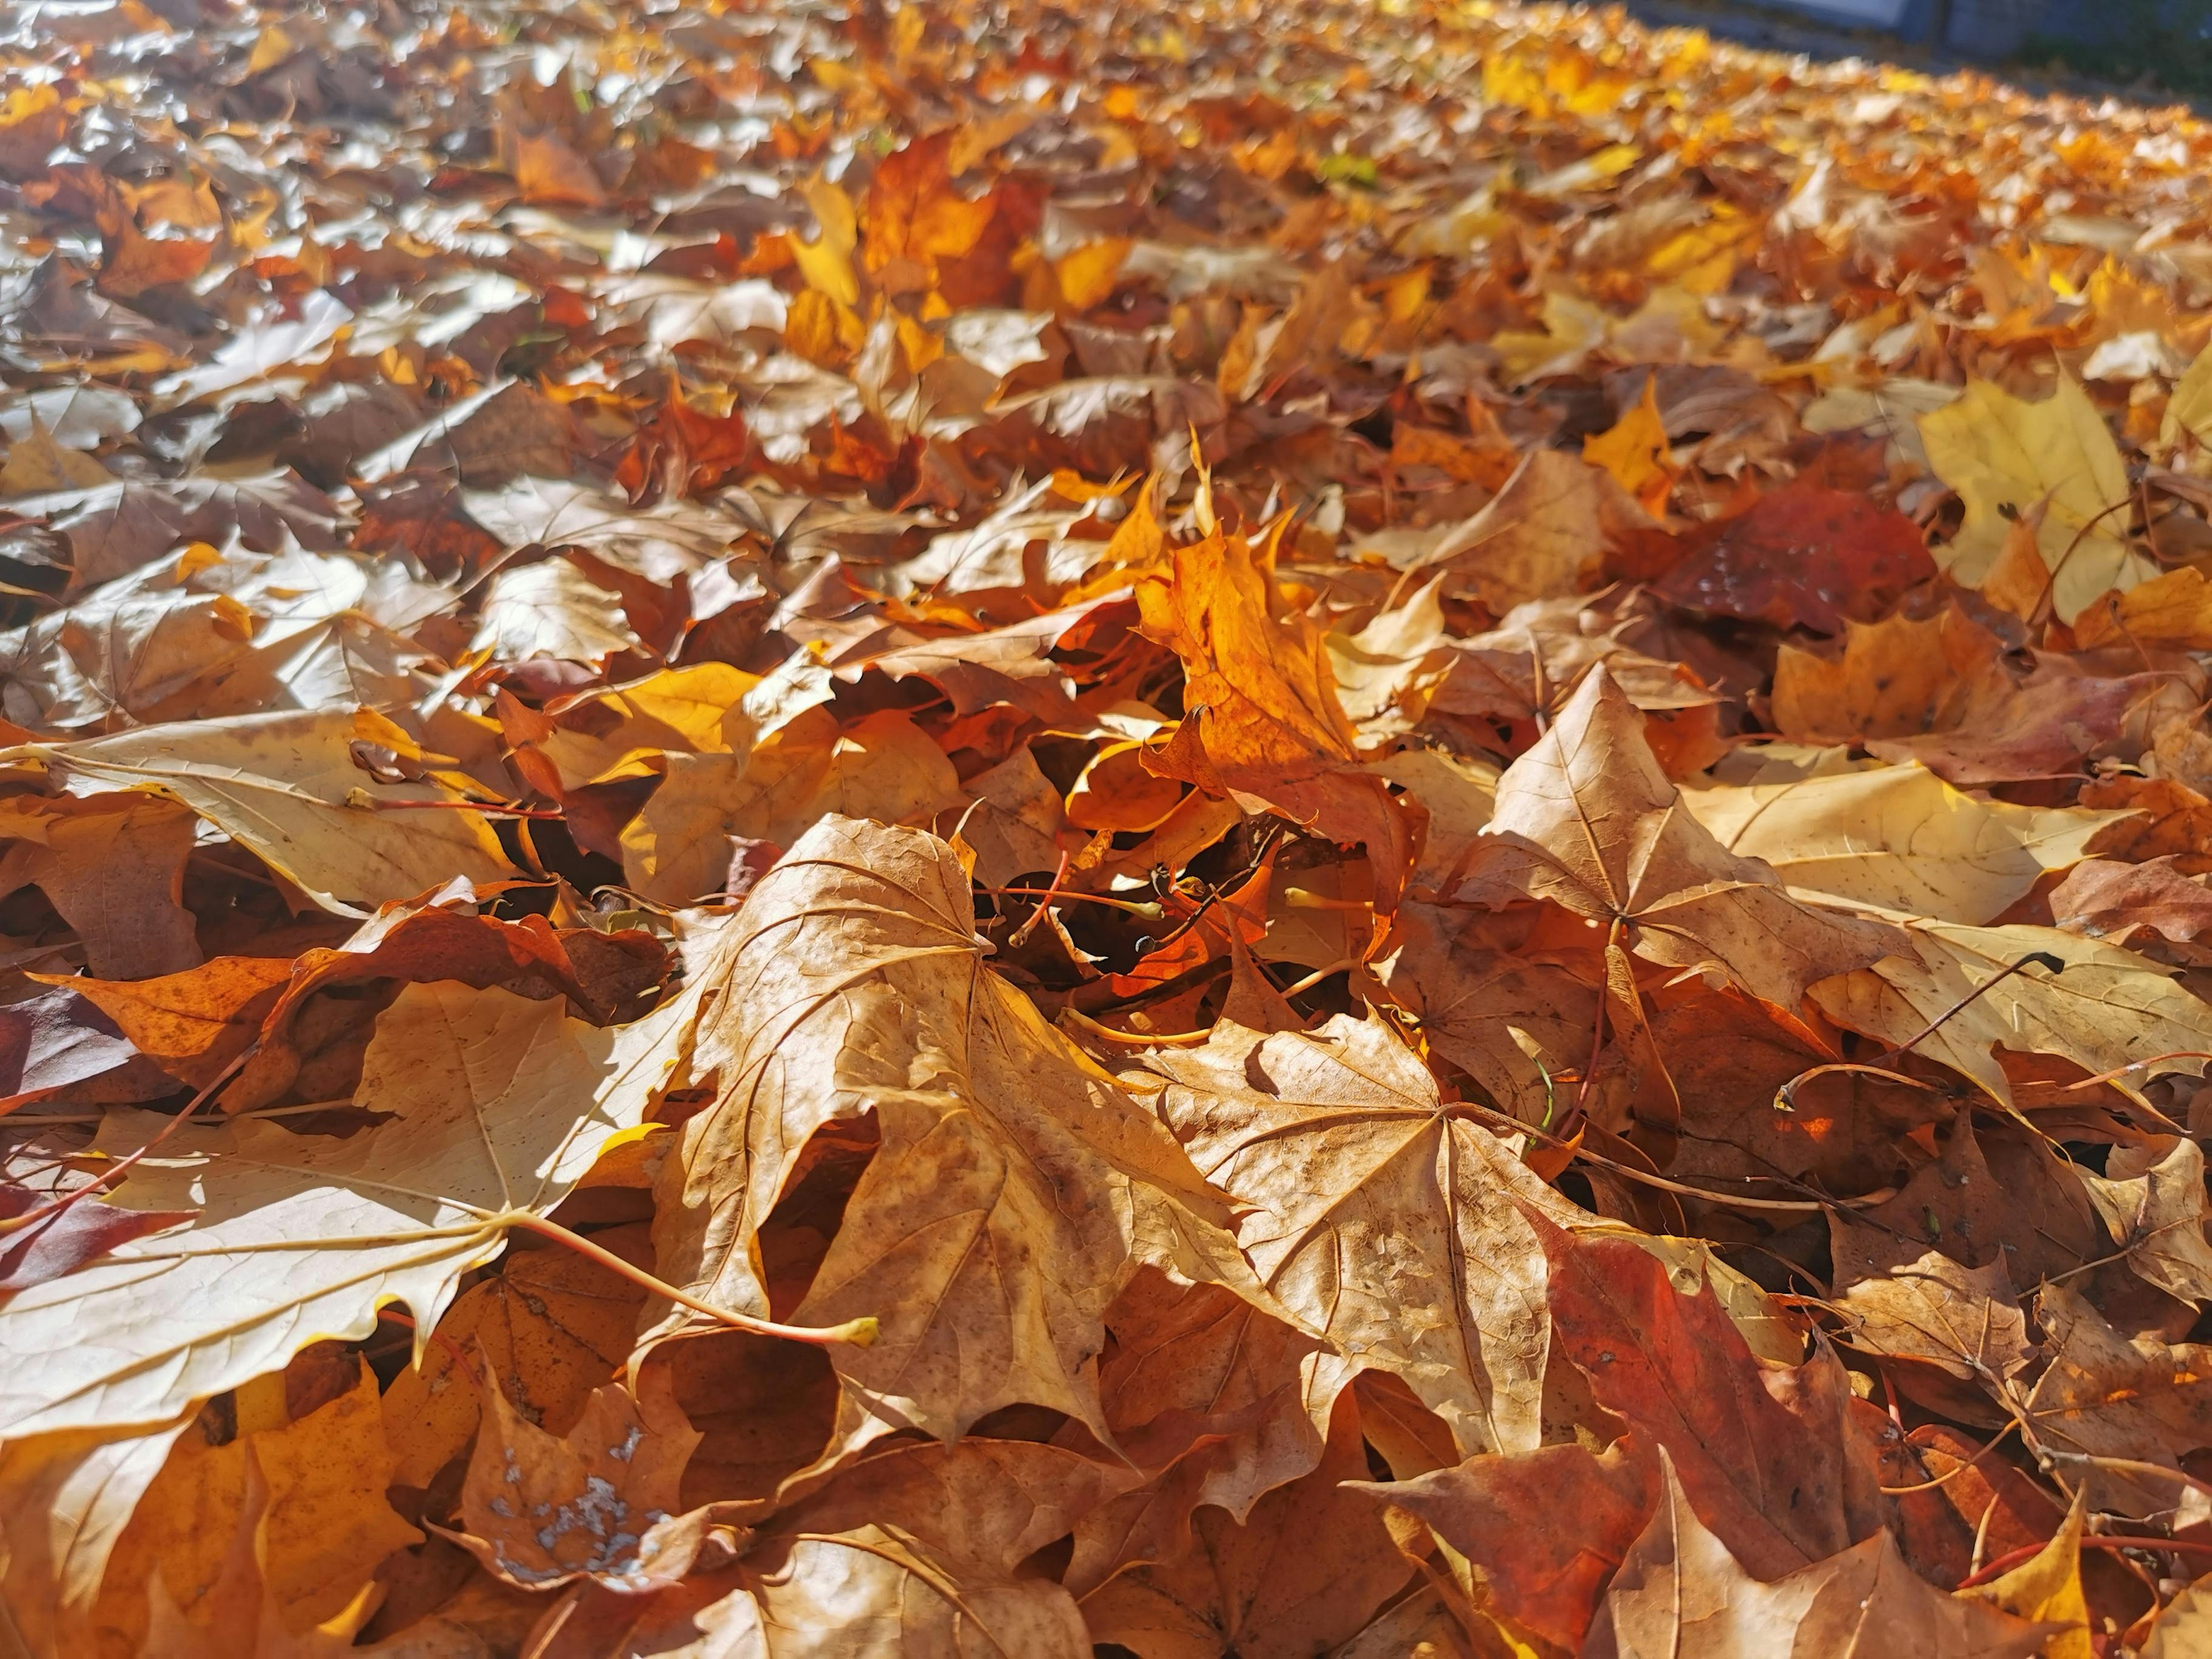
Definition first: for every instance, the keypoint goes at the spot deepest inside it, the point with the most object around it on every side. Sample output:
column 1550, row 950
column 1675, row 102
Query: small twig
column 1020, row 936
column 1943, row 1480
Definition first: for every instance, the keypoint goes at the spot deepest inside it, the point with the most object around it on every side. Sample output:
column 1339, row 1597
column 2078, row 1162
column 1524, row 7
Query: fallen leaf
column 1266, row 726
column 299, row 1237
column 1681, row 1590
column 288, row 786
column 542, row 1510
column 1765, row 1449
column 1900, row 838
column 850, row 983
column 1587, row 819
column 2104, row 1008
column 1804, row 556
column 1548, row 1528
column 1305, row 1570
column 1374, row 1215
column 2003, row 453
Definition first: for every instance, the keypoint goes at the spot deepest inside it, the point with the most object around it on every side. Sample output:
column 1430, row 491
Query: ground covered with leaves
column 1179, row 830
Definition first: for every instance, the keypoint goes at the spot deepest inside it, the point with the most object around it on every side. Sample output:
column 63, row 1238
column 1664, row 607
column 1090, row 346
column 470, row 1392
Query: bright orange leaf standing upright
column 1261, row 720
column 918, row 833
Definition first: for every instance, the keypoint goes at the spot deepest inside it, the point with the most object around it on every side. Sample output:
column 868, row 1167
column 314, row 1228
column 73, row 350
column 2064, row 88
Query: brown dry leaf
column 2105, row 1394
column 2151, row 1200
column 1540, row 537
column 1305, row 1570
column 852, row 983
column 1587, row 819
column 542, row 1510
column 1900, row 838
column 2102, row 1009
column 114, row 866
column 1547, row 1528
column 289, row 786
column 1920, row 1305
column 916, row 1551
column 1681, row 1591
column 1227, row 1401
column 551, row 1326
column 297, row 1236
column 883, row 767
column 324, row 1527
column 1374, row 1215
column 1897, row 677
column 2173, row 611
column 2124, row 902
column 1766, row 1450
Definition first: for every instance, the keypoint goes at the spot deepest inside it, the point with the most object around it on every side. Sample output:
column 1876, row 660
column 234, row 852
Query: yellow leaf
column 1635, row 452
column 2049, row 1588
column 37, row 464
column 2190, row 408
column 2004, row 454
column 1901, row 837
column 1087, row 275
column 286, row 785
column 326, row 1527
column 827, row 262
column 2173, row 611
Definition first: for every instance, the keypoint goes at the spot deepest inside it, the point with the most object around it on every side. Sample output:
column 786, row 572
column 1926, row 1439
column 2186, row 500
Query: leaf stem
column 860, row 1332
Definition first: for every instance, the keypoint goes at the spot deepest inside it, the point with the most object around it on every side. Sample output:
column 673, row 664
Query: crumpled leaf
column 1680, row 1590
column 850, row 983
column 542, row 1510
column 1548, row 1528
column 1307, row 1567
column 1266, row 727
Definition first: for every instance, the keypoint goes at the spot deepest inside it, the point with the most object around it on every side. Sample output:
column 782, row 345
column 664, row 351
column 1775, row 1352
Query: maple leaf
column 296, row 1236
column 1900, row 838
column 1548, row 1527
column 1680, row 1589
column 1766, row 1450
column 289, row 786
column 1307, row 1567
column 1587, row 819
column 2105, row 1009
column 1264, row 726
column 851, row 983
column 542, row 1512
column 1376, row 1216
column 2003, row 454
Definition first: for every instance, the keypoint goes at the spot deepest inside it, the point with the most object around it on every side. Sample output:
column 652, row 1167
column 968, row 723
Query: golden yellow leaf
column 2004, row 454
column 827, row 261
column 1634, row 450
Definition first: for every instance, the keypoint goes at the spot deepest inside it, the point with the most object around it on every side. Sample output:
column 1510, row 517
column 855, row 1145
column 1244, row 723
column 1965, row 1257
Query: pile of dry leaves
column 1185, row 831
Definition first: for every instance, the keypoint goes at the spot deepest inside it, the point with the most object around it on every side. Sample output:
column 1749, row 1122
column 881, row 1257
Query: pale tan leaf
column 287, row 786
column 500, row 1105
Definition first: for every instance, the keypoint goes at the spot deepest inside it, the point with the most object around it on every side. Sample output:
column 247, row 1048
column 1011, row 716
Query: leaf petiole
column 858, row 1333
